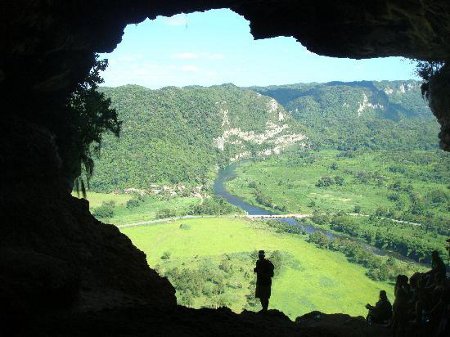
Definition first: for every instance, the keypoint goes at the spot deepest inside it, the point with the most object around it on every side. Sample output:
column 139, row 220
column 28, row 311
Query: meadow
column 386, row 199
column 210, row 261
column 120, row 210
column 394, row 200
column 331, row 180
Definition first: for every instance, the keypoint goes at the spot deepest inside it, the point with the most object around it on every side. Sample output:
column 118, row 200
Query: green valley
column 210, row 261
column 386, row 198
column 178, row 136
column 360, row 159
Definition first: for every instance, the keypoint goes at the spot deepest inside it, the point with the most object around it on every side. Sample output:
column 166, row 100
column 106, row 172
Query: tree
column 165, row 213
column 105, row 210
column 435, row 87
column 89, row 116
column 427, row 70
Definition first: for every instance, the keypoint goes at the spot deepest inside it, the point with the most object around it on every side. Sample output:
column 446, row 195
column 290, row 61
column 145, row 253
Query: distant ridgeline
column 179, row 135
column 367, row 114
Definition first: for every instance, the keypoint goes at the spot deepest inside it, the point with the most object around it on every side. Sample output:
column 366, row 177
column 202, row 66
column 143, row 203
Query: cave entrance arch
column 166, row 254
column 47, row 47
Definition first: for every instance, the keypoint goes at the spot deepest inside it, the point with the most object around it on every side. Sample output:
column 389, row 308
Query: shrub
column 165, row 213
column 339, row 180
column 105, row 210
column 185, row 226
column 252, row 184
column 334, row 166
column 325, row 182
column 166, row 255
column 135, row 201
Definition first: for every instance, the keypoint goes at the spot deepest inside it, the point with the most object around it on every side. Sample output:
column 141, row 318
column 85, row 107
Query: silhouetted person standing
column 264, row 273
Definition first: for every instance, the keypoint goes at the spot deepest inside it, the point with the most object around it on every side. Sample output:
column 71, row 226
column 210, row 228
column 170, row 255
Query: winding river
column 220, row 190
column 229, row 173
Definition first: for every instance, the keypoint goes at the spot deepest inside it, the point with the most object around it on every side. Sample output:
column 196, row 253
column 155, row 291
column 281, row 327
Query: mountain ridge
column 181, row 135
column 176, row 135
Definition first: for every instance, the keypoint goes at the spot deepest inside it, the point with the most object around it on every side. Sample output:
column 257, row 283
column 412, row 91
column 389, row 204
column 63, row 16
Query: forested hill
column 367, row 114
column 179, row 135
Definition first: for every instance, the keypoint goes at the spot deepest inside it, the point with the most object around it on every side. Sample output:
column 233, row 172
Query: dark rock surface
column 48, row 46
column 60, row 268
column 146, row 321
column 54, row 255
column 339, row 325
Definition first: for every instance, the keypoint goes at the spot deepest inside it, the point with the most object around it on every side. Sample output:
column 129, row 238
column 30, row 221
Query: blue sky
column 216, row 47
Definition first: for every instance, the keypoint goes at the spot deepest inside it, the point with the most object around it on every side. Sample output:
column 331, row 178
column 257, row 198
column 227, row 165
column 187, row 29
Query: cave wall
column 54, row 255
column 48, row 46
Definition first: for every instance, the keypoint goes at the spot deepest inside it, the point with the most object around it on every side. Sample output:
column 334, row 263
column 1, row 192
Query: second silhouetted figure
column 264, row 273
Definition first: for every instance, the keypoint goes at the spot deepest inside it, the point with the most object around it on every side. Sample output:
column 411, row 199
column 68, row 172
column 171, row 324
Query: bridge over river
column 277, row 216
column 254, row 212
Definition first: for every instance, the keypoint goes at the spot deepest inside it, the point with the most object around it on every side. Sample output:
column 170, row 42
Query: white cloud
column 189, row 68
column 176, row 20
column 215, row 56
column 191, row 56
column 185, row 56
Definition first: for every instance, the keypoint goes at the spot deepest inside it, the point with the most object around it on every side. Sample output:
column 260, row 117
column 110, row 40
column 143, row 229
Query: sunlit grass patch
column 311, row 279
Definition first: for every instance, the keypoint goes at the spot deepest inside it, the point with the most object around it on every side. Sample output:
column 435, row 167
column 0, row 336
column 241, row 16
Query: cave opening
column 64, row 272
column 153, row 178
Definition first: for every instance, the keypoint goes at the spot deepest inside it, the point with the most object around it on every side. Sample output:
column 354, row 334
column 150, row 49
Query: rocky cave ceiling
column 48, row 46
column 53, row 253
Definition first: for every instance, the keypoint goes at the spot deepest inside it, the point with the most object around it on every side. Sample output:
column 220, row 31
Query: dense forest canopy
column 181, row 135
column 370, row 115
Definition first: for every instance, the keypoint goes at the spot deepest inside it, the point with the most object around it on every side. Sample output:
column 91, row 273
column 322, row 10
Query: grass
column 149, row 209
column 146, row 211
column 96, row 199
column 291, row 181
column 314, row 279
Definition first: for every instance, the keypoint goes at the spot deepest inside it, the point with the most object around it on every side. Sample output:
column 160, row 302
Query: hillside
column 367, row 114
column 179, row 135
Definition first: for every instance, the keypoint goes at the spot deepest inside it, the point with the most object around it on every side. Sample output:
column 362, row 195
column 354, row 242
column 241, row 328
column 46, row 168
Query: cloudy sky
column 216, row 47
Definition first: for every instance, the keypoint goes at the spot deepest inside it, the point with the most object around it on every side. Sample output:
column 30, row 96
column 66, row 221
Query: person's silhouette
column 381, row 312
column 264, row 273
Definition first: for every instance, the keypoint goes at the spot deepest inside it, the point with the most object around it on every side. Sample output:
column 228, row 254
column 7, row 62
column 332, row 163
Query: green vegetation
column 398, row 205
column 211, row 263
column 379, row 268
column 79, row 131
column 370, row 174
column 169, row 136
column 121, row 209
column 96, row 199
column 125, row 208
column 175, row 136
column 409, row 239
column 360, row 115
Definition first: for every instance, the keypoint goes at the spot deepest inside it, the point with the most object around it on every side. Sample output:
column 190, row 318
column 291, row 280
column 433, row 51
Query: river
column 220, row 190
column 229, row 173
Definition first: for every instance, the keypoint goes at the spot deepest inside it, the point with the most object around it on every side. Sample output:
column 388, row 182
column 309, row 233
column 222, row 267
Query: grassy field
column 146, row 210
column 367, row 180
column 309, row 279
column 96, row 199
column 410, row 186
